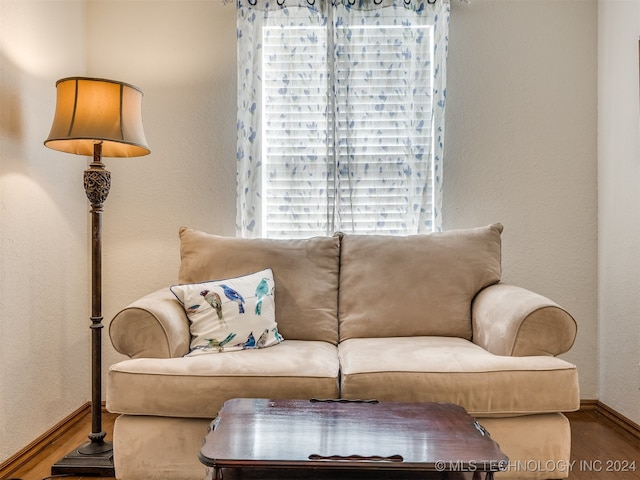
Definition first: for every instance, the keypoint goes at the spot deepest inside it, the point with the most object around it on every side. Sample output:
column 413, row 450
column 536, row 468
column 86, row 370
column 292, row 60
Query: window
column 340, row 121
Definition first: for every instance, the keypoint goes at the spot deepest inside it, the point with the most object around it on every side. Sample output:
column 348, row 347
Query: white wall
column 521, row 148
column 182, row 54
column 44, row 303
column 619, row 205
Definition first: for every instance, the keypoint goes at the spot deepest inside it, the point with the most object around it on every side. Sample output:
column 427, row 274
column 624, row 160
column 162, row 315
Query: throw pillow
column 230, row 314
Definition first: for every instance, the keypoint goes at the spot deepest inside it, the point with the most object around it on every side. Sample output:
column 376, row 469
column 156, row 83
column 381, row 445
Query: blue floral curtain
column 340, row 116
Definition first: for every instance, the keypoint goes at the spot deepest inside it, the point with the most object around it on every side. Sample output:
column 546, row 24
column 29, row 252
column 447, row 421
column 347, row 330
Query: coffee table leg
column 214, row 473
column 478, row 475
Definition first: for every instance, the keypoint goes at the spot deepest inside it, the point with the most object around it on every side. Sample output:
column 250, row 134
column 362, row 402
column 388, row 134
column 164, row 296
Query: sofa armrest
column 509, row 320
column 154, row 326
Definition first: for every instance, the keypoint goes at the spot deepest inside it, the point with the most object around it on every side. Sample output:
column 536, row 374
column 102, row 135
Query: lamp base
column 91, row 459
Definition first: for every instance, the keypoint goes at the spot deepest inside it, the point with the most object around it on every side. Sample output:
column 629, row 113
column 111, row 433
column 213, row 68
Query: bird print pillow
column 232, row 314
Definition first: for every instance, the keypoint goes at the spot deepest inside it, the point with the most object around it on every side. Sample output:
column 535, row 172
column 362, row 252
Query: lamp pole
column 96, row 456
column 97, row 181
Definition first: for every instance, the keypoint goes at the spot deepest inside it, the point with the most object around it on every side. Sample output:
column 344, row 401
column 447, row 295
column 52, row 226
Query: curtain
column 340, row 116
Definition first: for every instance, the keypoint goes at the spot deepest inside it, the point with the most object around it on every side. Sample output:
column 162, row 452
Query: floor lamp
column 101, row 118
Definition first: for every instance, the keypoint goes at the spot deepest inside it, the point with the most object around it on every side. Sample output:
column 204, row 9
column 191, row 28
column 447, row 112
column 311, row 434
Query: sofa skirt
column 538, row 446
column 166, row 448
column 158, row 448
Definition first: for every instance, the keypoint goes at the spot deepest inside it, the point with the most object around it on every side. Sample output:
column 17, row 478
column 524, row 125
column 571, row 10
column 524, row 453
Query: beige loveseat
column 418, row 318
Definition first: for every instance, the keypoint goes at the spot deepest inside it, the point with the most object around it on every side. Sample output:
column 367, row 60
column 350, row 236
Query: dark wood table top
column 376, row 436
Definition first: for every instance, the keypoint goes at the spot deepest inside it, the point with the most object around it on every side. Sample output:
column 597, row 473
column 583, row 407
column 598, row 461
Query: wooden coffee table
column 258, row 438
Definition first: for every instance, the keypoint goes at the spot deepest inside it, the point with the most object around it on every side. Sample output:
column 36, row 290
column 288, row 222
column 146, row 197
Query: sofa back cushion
column 305, row 274
column 415, row 285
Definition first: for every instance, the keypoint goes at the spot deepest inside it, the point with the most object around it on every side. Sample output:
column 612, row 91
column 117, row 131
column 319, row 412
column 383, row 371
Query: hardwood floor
column 39, row 468
column 600, row 449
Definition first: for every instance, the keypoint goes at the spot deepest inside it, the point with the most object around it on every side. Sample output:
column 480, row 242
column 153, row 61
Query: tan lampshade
column 92, row 110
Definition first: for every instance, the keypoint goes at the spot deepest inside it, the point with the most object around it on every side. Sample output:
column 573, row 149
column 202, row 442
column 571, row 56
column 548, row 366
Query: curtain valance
column 270, row 5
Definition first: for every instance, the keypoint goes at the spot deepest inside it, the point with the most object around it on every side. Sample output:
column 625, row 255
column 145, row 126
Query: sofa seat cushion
column 446, row 369
column 196, row 387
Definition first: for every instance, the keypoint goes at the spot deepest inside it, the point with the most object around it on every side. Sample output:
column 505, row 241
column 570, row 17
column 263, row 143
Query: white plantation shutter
column 340, row 121
column 296, row 178
column 384, row 141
